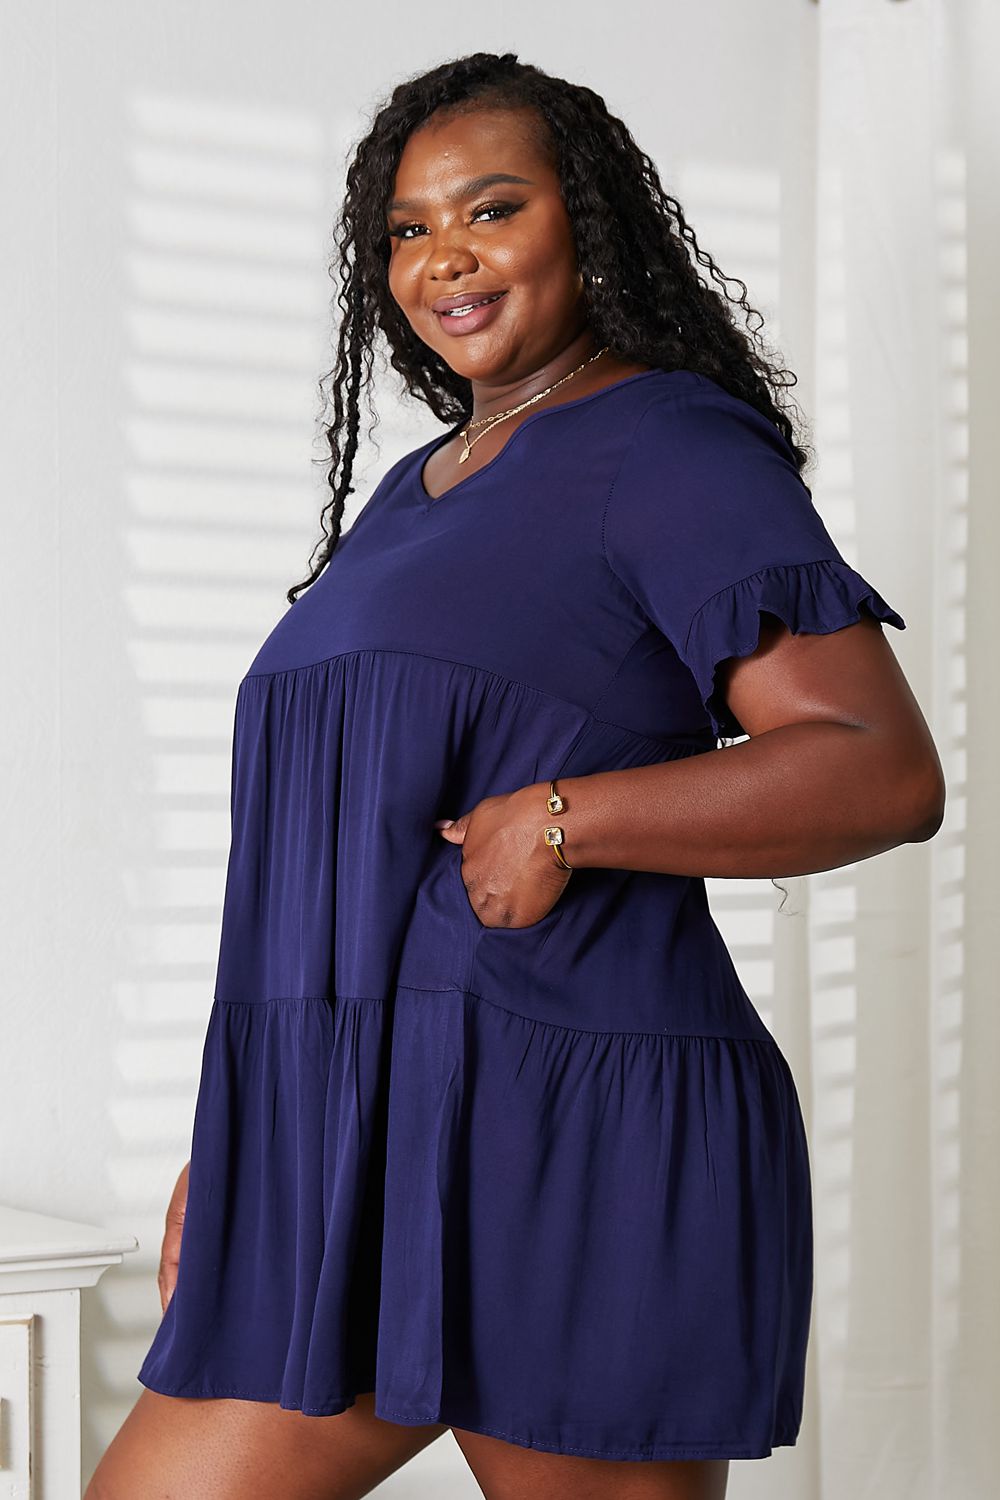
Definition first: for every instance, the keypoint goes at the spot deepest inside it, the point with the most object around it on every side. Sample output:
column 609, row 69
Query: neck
column 493, row 399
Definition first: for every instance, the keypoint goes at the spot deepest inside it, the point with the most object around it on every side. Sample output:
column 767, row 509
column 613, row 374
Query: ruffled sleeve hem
column 811, row 598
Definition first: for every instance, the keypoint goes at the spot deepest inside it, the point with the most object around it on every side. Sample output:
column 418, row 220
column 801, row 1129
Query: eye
column 503, row 210
column 399, row 233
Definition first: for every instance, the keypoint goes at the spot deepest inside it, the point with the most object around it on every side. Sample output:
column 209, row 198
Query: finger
column 456, row 826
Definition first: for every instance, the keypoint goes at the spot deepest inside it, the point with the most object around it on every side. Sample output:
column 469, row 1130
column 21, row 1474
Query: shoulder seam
column 691, row 395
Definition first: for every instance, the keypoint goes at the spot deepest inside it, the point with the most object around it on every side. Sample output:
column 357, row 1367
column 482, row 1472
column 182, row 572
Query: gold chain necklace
column 491, row 421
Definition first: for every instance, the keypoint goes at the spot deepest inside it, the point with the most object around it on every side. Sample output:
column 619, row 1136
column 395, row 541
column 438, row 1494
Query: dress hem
column 649, row 1453
column 332, row 1408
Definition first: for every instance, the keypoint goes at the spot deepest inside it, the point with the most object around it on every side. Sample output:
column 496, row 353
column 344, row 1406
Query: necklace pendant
column 463, row 456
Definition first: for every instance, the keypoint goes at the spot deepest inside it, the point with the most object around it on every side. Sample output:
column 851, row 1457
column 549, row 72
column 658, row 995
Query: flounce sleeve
column 709, row 523
column 810, row 598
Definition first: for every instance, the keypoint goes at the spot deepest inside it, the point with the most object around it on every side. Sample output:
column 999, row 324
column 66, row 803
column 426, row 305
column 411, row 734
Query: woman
column 489, row 1136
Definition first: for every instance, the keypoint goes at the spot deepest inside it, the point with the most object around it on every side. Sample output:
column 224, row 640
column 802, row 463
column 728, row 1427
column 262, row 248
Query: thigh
column 225, row 1449
column 507, row 1471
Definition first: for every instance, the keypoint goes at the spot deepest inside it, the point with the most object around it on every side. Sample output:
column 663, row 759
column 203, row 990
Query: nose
column 450, row 255
column 448, row 261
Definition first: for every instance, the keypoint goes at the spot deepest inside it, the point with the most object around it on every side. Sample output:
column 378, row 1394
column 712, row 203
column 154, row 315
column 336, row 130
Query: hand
column 511, row 875
column 171, row 1249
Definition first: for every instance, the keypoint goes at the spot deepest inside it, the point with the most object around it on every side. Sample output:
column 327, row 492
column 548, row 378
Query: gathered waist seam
column 452, row 989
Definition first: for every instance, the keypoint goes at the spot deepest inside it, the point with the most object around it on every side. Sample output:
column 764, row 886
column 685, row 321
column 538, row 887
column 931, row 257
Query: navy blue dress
column 549, row 1183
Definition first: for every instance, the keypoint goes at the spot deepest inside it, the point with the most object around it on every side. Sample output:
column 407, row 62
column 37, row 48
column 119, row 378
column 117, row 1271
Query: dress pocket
column 443, row 927
column 445, row 939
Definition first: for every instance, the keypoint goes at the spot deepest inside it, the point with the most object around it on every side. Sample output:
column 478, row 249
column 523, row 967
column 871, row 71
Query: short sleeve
column 709, row 523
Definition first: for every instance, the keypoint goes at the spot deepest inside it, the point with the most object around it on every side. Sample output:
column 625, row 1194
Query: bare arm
column 840, row 766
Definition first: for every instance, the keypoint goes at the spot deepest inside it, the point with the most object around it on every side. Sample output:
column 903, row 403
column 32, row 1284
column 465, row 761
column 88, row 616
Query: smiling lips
column 468, row 313
column 461, row 305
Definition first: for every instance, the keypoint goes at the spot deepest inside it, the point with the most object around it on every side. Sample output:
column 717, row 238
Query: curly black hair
column 643, row 295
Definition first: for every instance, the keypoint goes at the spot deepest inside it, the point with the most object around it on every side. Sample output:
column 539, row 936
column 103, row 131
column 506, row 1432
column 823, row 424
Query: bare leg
column 181, row 1448
column 507, row 1471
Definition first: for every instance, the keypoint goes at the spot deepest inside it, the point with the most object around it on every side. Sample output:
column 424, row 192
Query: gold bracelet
column 553, row 836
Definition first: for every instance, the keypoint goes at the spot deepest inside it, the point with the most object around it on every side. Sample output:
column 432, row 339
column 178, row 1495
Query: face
column 453, row 232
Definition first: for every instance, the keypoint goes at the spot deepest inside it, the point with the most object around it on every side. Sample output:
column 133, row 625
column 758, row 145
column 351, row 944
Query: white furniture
column 43, row 1264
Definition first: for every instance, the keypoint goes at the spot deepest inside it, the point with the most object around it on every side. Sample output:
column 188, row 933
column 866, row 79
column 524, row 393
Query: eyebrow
column 464, row 190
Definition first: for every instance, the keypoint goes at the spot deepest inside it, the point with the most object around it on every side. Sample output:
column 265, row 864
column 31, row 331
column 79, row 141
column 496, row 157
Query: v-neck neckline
column 424, row 453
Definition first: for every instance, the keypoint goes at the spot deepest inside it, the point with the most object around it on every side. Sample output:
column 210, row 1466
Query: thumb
column 453, row 829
